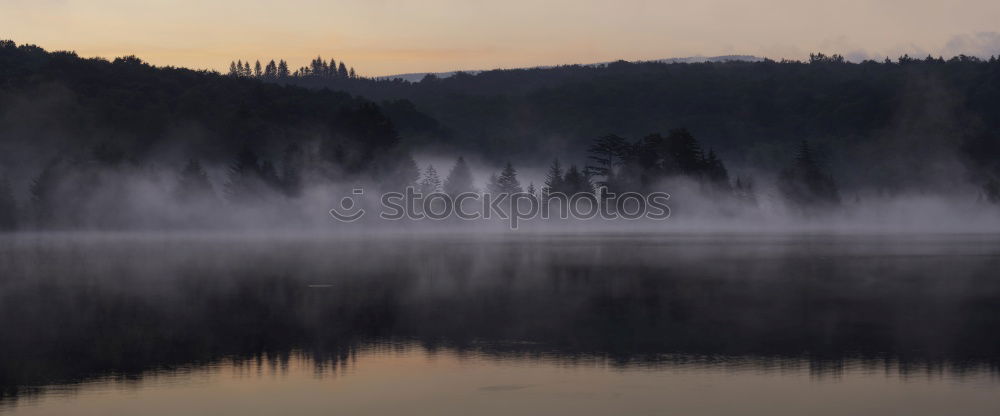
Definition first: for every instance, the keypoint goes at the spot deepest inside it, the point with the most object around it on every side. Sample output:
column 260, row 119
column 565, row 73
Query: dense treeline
column 71, row 128
column 317, row 68
column 881, row 123
column 653, row 163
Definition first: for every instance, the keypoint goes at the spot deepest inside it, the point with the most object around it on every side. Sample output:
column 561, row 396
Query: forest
column 95, row 143
column 885, row 127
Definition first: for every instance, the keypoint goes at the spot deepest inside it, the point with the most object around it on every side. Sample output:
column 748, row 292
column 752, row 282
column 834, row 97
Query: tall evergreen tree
column 342, row 70
column 271, row 70
column 283, row 69
column 507, row 181
column 431, row 182
column 805, row 184
column 554, row 179
column 686, row 152
column 317, row 66
column 714, row 169
column 257, row 70
column 459, row 179
column 609, row 155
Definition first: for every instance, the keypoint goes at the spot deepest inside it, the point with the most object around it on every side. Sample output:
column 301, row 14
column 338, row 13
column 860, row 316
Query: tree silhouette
column 283, row 69
column 714, row 169
column 688, row 158
column 640, row 166
column 554, row 179
column 248, row 179
column 805, row 184
column 459, row 179
column 506, row 182
column 431, row 183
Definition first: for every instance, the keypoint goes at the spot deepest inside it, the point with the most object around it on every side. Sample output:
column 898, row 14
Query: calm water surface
column 500, row 324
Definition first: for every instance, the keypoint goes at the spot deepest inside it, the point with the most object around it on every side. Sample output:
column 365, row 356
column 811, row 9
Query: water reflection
column 84, row 311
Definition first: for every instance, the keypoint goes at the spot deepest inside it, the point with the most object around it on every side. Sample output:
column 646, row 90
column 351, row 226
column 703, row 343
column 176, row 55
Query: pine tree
column 554, row 179
column 507, row 181
column 609, row 154
column 431, row 182
column 317, row 66
column 342, row 70
column 685, row 151
column 459, row 179
column 805, row 184
column 233, row 70
column 283, row 69
column 352, row 74
column 246, row 69
column 714, row 169
column 271, row 70
column 257, row 71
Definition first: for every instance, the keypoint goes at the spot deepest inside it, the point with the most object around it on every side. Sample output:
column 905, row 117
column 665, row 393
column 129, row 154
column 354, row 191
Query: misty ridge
column 911, row 144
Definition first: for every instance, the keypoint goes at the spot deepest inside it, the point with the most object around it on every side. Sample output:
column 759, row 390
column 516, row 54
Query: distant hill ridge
column 417, row 76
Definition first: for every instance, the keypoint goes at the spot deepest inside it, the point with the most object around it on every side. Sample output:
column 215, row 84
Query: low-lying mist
column 130, row 198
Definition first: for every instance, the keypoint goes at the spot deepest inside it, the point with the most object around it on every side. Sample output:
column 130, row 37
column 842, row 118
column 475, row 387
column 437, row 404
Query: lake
column 499, row 323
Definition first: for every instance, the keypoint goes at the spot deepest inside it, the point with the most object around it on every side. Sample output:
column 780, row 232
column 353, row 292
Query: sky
column 382, row 37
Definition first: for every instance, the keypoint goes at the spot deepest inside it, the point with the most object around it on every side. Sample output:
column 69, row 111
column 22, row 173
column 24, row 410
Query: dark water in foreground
column 503, row 324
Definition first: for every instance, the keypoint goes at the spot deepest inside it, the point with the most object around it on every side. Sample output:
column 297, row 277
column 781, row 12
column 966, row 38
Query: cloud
column 981, row 44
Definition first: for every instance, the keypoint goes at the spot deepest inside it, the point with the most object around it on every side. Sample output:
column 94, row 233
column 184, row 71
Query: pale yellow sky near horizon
column 380, row 37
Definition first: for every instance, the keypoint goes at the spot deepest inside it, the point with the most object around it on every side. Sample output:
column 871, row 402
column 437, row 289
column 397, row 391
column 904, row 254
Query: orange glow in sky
column 381, row 37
